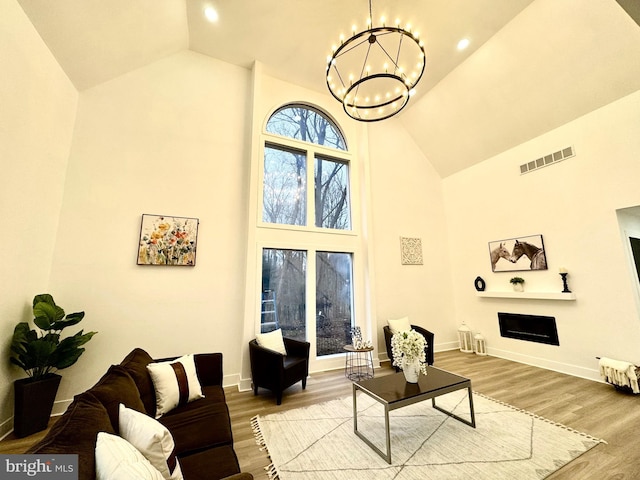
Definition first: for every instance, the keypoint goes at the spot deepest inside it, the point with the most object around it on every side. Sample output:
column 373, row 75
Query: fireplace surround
column 531, row 328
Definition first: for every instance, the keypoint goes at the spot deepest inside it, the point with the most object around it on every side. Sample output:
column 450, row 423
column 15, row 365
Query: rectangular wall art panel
column 517, row 254
column 166, row 240
column 411, row 251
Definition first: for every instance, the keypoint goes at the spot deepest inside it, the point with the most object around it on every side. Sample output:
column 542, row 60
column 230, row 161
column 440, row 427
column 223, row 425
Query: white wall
column 169, row 138
column 573, row 205
column 38, row 105
column 407, row 202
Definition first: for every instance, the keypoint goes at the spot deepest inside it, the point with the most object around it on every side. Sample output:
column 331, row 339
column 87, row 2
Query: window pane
column 332, row 194
column 284, row 197
column 283, row 292
column 306, row 124
column 333, row 302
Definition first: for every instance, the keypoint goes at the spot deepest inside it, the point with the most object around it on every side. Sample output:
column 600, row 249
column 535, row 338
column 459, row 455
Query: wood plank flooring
column 591, row 407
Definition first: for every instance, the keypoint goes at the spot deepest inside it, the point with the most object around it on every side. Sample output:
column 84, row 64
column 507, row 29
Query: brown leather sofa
column 201, row 429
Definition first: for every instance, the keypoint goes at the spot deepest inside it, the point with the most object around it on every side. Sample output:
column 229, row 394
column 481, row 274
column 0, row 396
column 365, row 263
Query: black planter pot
column 34, row 403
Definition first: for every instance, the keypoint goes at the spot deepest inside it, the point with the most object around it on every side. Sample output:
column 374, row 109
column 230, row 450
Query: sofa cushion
column 117, row 459
column 199, row 425
column 75, row 432
column 152, row 439
column 116, row 387
column 135, row 363
column 175, row 383
column 198, row 465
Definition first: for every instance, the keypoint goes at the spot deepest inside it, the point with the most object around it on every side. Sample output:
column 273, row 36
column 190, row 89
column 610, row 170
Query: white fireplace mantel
column 528, row 295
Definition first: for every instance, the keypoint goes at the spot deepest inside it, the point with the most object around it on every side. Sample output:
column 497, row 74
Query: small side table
column 359, row 363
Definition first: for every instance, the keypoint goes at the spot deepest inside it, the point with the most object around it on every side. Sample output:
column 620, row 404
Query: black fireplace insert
column 531, row 328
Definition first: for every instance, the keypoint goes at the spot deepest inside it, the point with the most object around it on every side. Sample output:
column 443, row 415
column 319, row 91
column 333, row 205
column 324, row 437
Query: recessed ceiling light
column 211, row 14
column 462, row 44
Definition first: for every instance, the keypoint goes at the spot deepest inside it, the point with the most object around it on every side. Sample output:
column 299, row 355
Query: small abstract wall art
column 166, row 240
column 411, row 251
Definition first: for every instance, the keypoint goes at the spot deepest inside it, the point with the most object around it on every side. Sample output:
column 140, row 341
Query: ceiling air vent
column 548, row 159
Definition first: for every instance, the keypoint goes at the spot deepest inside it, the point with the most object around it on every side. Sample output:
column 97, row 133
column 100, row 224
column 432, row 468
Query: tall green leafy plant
column 40, row 352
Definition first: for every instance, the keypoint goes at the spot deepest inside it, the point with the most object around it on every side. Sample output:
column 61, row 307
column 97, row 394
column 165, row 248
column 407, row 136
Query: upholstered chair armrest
column 297, row 348
column 387, row 341
column 264, row 361
column 429, row 336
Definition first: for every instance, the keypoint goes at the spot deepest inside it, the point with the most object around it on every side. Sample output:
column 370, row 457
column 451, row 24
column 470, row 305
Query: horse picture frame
column 518, row 254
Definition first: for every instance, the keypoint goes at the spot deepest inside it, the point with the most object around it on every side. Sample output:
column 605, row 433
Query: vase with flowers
column 407, row 348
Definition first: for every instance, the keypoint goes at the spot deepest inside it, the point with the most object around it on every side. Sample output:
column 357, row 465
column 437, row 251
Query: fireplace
column 532, row 328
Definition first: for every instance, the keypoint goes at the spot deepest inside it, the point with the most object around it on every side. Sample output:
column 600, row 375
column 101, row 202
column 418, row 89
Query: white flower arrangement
column 407, row 347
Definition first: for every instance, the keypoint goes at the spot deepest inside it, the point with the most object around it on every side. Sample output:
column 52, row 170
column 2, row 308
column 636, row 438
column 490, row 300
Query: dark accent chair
column 276, row 372
column 428, row 351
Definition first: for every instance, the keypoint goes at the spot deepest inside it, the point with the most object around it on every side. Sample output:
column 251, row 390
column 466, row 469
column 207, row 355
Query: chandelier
column 374, row 72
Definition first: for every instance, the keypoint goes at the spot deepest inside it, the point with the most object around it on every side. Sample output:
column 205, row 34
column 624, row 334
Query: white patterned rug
column 318, row 443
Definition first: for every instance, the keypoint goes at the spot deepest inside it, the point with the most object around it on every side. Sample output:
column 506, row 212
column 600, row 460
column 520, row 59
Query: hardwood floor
column 590, row 407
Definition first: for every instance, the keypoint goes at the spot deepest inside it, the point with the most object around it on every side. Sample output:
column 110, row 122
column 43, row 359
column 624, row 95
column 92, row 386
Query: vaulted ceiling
column 532, row 65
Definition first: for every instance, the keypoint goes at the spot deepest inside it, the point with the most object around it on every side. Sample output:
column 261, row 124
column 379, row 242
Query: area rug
column 318, row 443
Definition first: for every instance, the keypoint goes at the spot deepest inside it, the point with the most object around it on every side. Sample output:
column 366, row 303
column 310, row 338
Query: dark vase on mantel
column 34, row 403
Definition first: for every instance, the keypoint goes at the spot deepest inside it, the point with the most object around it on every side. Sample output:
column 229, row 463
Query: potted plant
column 407, row 349
column 40, row 353
column 518, row 283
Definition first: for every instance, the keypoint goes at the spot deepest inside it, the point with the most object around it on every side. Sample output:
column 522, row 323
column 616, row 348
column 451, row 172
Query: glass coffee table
column 393, row 392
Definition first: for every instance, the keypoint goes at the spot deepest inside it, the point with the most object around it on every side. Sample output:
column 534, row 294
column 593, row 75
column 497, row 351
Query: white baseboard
column 566, row 368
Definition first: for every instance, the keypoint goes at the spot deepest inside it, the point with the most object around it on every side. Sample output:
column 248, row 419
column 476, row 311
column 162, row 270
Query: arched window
column 286, row 198
column 306, row 232
column 307, row 124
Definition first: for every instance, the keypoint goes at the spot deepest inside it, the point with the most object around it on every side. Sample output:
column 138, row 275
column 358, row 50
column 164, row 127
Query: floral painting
column 167, row 240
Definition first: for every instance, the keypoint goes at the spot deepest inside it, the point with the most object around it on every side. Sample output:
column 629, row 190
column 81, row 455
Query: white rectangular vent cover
column 548, row 159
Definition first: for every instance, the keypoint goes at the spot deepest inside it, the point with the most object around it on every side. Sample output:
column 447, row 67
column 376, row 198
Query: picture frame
column 518, row 254
column 168, row 240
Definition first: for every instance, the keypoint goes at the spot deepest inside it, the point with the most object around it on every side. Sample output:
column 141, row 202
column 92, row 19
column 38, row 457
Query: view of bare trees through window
column 284, row 187
column 284, row 292
column 332, row 194
column 333, row 302
column 285, row 201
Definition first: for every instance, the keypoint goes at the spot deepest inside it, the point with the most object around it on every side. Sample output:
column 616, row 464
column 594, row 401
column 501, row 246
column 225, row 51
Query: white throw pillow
column 272, row 341
column 152, row 439
column 117, row 459
column 399, row 325
column 175, row 382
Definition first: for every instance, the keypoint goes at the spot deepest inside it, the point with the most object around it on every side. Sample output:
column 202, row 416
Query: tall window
column 285, row 197
column 307, row 288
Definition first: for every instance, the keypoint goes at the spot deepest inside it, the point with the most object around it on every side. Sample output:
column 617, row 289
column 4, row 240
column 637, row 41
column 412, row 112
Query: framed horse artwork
column 517, row 254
